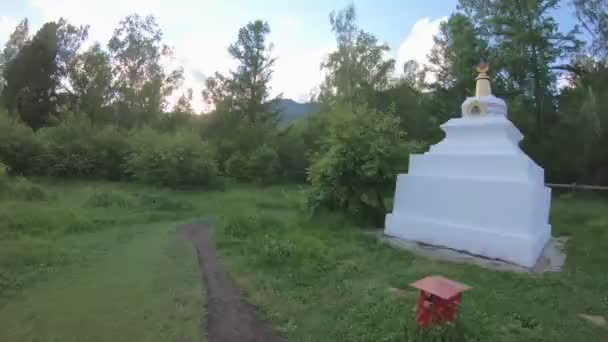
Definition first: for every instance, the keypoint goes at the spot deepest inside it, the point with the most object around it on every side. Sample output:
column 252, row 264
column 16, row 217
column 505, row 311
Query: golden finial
column 483, row 88
column 483, row 67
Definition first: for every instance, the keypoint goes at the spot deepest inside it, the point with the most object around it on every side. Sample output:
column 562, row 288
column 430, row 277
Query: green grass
column 86, row 261
column 326, row 281
column 98, row 261
column 30, row 227
column 145, row 289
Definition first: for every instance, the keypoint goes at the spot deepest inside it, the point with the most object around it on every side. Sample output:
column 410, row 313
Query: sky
column 201, row 30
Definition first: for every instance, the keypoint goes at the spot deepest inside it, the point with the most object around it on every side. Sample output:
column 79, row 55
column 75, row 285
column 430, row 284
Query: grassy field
column 325, row 281
column 145, row 289
column 85, row 261
column 101, row 262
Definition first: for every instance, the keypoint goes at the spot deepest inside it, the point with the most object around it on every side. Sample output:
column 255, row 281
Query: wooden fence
column 575, row 186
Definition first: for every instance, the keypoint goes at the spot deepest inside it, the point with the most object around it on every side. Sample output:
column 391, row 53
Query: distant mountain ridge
column 292, row 111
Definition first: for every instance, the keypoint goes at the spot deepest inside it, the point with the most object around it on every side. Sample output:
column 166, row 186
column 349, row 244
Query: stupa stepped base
column 498, row 219
column 521, row 249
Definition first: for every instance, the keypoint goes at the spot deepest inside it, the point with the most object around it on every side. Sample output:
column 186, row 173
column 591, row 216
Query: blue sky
column 201, row 30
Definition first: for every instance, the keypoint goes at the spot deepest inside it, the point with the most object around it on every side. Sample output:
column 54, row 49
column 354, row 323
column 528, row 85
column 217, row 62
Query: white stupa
column 475, row 191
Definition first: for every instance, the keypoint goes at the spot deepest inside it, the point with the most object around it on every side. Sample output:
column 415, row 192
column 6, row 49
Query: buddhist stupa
column 476, row 190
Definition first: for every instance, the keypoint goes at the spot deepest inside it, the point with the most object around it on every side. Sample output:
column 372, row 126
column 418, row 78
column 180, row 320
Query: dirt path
column 229, row 317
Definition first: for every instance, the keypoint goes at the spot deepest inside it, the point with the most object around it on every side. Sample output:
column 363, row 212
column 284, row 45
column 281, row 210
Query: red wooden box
column 439, row 300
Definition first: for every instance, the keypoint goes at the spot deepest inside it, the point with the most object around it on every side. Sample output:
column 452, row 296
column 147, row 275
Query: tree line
column 102, row 111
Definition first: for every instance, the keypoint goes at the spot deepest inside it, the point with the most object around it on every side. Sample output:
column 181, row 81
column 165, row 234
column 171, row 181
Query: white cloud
column 102, row 16
column 297, row 69
column 200, row 33
column 298, row 72
column 419, row 42
column 7, row 26
column 564, row 81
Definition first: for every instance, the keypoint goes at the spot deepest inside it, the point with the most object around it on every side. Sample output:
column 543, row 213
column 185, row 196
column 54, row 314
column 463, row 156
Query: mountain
column 292, row 111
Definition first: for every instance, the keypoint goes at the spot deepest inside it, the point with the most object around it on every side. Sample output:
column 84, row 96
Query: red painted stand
column 439, row 300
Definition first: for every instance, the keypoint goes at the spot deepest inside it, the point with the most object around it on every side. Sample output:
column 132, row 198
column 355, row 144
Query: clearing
column 101, row 262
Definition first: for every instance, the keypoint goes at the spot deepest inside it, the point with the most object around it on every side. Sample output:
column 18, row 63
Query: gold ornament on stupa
column 478, row 106
column 483, row 88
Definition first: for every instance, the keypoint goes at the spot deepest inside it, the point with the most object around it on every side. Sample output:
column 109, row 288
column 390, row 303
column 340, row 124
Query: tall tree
column 593, row 17
column 358, row 67
column 36, row 74
column 245, row 119
column 414, row 74
column 217, row 93
column 458, row 49
column 245, row 92
column 141, row 83
column 184, row 103
column 31, row 80
column 69, row 41
column 525, row 44
column 252, row 76
column 17, row 40
column 90, row 77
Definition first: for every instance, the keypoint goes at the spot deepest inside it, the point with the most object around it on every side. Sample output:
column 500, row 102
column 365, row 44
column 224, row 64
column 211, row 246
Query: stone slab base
column 522, row 249
column 552, row 258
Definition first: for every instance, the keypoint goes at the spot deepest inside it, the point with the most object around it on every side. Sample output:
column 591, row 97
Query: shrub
column 292, row 154
column 243, row 226
column 72, row 149
column 110, row 147
column 263, row 164
column 19, row 187
column 357, row 169
column 236, row 166
column 19, row 147
column 4, row 181
column 178, row 161
column 22, row 188
column 276, row 250
column 260, row 165
column 296, row 250
column 69, row 150
column 36, row 219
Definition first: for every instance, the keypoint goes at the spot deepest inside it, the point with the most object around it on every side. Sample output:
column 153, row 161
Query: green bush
column 19, row 188
column 277, row 250
column 69, row 149
column 36, row 219
column 72, row 149
column 243, row 226
column 236, row 166
column 24, row 189
column 357, row 169
column 292, row 154
column 296, row 251
column 178, row 161
column 19, row 147
column 263, row 165
column 4, row 181
column 111, row 148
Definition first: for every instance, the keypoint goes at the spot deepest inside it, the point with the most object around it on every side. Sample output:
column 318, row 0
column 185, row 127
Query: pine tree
column 524, row 45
